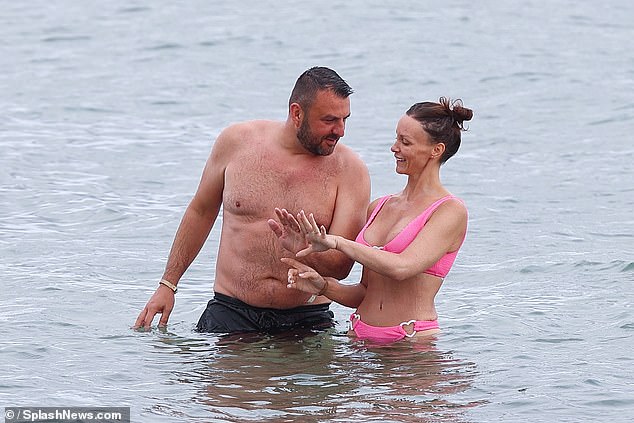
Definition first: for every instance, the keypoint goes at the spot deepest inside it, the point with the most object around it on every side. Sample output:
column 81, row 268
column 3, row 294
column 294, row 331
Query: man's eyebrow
column 336, row 117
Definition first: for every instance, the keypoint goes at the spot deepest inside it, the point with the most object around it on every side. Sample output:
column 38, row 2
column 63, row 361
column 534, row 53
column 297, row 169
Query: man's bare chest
column 255, row 188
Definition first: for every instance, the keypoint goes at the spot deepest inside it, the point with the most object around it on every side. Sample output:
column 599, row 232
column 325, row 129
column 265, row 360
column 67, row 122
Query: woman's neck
column 426, row 184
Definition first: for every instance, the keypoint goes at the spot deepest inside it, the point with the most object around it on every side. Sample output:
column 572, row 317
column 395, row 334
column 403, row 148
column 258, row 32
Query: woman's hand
column 288, row 231
column 304, row 278
column 317, row 238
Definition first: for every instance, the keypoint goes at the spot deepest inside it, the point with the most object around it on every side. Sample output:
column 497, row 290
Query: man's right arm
column 194, row 228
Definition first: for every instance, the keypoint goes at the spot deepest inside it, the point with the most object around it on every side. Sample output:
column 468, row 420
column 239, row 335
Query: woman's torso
column 393, row 225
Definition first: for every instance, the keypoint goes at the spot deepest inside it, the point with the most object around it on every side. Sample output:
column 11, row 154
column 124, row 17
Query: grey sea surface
column 109, row 111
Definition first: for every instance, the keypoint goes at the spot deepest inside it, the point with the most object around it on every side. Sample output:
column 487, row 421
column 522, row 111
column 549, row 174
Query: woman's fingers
column 304, row 252
column 304, row 224
column 296, row 264
column 292, row 273
column 314, row 227
column 307, row 226
column 313, row 224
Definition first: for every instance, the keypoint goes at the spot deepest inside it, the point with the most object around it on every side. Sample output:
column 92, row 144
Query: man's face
column 324, row 123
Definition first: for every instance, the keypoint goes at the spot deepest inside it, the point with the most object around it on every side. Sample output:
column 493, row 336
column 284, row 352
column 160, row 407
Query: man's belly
column 248, row 268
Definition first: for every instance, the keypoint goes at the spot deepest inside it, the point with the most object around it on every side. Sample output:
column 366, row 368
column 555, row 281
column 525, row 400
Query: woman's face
column 412, row 148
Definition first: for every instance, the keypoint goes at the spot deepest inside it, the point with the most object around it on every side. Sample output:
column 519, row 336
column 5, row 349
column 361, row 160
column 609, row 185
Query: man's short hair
column 317, row 79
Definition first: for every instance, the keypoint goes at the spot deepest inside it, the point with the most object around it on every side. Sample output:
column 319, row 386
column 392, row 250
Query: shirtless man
column 253, row 168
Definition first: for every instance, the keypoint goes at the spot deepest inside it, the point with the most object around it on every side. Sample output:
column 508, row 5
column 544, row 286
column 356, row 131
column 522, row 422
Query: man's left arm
column 349, row 215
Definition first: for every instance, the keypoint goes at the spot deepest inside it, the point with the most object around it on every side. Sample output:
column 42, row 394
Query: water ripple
column 108, row 117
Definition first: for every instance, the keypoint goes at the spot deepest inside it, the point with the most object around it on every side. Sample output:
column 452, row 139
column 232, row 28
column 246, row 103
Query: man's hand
column 288, row 231
column 161, row 302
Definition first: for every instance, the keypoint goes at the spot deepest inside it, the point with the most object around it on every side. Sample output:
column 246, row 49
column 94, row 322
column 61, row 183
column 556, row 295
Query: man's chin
column 327, row 151
column 328, row 147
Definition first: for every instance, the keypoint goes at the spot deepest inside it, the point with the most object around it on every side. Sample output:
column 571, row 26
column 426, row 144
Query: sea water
column 109, row 111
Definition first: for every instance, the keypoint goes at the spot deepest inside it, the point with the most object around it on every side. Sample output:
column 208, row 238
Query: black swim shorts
column 225, row 314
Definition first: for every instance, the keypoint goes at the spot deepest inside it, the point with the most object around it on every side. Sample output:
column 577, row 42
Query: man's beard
column 313, row 144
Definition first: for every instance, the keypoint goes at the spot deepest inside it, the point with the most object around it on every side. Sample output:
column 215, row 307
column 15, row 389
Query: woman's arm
column 443, row 233
column 306, row 279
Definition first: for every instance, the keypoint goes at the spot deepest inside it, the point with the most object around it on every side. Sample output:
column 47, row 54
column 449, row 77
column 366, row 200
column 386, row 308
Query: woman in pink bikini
column 410, row 240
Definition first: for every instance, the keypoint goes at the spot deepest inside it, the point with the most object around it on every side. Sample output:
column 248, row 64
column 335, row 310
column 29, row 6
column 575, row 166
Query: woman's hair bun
column 443, row 122
column 456, row 110
column 461, row 113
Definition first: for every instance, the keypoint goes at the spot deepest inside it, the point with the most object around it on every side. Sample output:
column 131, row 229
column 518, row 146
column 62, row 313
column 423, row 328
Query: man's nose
column 340, row 128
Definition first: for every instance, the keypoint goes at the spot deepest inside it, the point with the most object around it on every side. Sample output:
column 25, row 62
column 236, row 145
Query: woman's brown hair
column 443, row 121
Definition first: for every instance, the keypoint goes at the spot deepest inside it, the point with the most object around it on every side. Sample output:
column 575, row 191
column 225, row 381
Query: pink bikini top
column 407, row 235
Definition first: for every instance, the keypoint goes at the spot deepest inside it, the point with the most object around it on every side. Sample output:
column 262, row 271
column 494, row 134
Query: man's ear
column 296, row 113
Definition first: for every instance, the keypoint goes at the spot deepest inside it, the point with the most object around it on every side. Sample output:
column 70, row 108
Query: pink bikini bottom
column 389, row 333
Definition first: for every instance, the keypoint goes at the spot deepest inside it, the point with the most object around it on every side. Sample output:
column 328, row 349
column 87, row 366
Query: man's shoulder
column 248, row 127
column 350, row 158
column 246, row 132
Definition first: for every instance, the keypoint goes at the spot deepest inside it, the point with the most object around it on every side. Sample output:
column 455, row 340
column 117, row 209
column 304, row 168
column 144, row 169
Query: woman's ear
column 438, row 150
